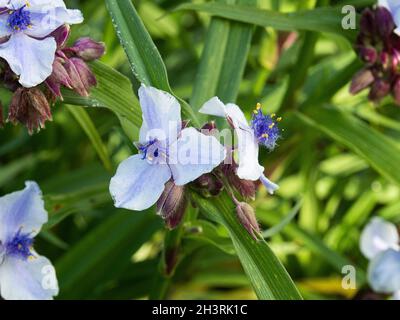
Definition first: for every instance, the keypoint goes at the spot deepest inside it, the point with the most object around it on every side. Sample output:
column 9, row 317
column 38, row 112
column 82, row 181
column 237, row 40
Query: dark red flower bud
column 209, row 185
column 61, row 35
column 246, row 188
column 368, row 54
column 81, row 77
column 88, row 49
column 31, row 108
column 361, row 80
column 58, row 78
column 172, row 204
column 380, row 88
column 384, row 22
column 367, row 23
column 247, row 218
column 209, row 127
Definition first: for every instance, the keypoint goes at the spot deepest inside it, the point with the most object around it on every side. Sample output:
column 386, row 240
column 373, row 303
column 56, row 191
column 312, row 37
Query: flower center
column 265, row 128
column 19, row 246
column 152, row 150
column 19, row 20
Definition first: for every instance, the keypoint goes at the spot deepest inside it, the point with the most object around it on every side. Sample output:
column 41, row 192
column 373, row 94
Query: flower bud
column 384, row 22
column 368, row 54
column 58, row 78
column 367, row 23
column 361, row 80
column 61, row 35
column 30, row 108
column 81, row 77
column 88, row 49
column 246, row 188
column 209, row 185
column 380, row 88
column 248, row 219
column 172, row 204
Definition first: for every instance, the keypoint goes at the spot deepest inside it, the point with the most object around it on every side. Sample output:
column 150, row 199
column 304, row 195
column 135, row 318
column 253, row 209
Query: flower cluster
column 35, row 61
column 172, row 155
column 378, row 46
column 380, row 244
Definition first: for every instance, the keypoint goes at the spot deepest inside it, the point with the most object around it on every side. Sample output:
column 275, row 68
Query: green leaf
column 319, row 20
column 227, row 45
column 313, row 243
column 104, row 253
column 269, row 278
column 114, row 92
column 145, row 60
column 83, row 118
column 381, row 152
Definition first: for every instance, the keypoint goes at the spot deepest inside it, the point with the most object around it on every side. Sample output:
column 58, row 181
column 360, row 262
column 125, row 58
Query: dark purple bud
column 87, row 76
column 81, row 77
column 61, row 35
column 361, row 80
column 368, row 54
column 172, row 204
column 367, row 23
column 384, row 22
column 209, row 127
column 58, row 78
column 88, row 49
column 246, row 188
column 396, row 91
column 209, row 185
column 380, row 88
column 31, row 108
column 247, row 218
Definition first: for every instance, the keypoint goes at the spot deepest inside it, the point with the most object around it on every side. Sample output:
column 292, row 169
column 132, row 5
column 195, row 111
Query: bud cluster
column 379, row 48
column 31, row 106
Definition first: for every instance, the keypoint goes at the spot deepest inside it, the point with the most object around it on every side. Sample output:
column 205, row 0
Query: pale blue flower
column 25, row 28
column 380, row 243
column 394, row 8
column 261, row 131
column 24, row 275
column 166, row 150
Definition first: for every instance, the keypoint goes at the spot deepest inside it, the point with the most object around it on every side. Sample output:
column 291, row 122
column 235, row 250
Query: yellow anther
column 272, row 125
column 265, row 135
column 258, row 106
column 273, row 115
column 279, row 119
column 255, row 111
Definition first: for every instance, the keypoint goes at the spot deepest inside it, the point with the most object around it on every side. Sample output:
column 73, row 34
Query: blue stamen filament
column 265, row 128
column 20, row 246
column 144, row 149
column 19, row 19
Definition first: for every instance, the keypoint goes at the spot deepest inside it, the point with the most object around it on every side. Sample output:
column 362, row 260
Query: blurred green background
column 102, row 252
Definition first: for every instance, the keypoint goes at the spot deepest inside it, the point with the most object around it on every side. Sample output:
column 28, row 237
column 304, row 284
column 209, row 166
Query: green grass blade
column 319, row 20
column 381, row 152
column 83, row 118
column 269, row 278
column 227, row 45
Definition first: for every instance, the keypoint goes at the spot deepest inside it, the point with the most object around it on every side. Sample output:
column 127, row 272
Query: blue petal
column 138, row 184
column 22, row 210
column 193, row 155
column 384, row 272
column 271, row 187
column 32, row 279
column 161, row 115
column 29, row 58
